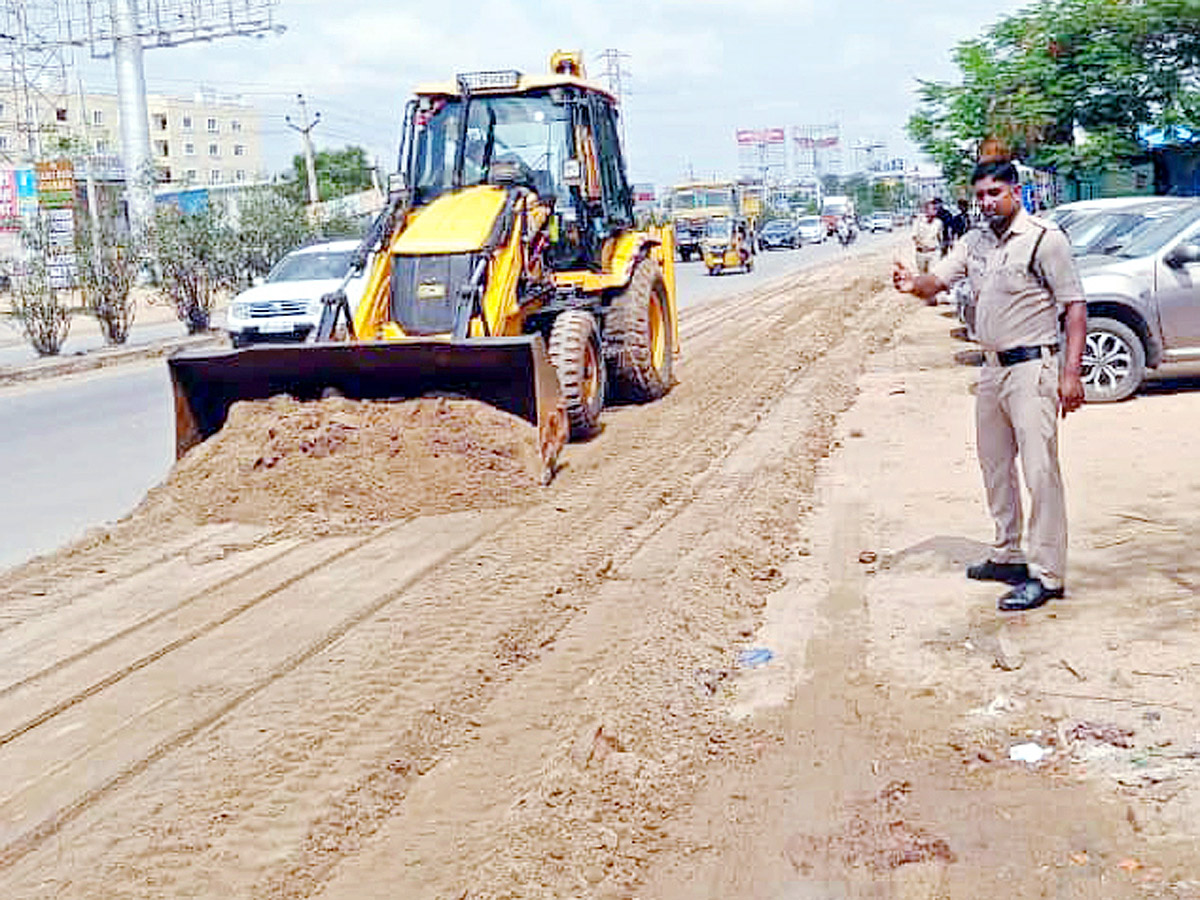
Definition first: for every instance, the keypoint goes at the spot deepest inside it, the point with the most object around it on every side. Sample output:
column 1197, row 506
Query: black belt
column 1016, row 355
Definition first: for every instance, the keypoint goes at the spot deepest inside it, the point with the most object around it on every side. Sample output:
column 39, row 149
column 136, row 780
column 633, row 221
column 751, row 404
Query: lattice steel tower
column 117, row 29
column 35, row 66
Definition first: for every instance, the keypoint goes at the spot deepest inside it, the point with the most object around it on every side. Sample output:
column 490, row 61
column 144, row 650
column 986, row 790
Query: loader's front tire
column 637, row 337
column 576, row 354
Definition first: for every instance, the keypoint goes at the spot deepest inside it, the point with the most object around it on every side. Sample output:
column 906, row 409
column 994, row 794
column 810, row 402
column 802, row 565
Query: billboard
column 747, row 136
column 56, row 197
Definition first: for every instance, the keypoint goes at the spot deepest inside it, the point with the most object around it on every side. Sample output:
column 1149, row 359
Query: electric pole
column 310, row 165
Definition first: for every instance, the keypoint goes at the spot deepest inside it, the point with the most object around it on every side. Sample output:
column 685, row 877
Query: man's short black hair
column 999, row 169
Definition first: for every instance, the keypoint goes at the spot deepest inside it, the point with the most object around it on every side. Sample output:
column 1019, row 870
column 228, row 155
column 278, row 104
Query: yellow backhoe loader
column 507, row 268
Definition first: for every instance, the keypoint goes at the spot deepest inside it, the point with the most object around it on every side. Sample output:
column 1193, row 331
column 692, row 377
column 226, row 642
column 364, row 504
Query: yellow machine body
column 467, row 280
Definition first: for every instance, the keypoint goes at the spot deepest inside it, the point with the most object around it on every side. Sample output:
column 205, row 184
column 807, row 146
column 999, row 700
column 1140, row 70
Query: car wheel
column 238, row 341
column 1114, row 361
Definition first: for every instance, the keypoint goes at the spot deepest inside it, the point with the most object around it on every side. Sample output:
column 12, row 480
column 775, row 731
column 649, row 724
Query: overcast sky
column 697, row 70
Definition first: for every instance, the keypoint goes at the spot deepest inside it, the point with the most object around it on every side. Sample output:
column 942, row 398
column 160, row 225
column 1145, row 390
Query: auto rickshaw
column 727, row 245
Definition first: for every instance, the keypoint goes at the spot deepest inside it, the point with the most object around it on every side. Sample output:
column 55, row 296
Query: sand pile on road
column 339, row 464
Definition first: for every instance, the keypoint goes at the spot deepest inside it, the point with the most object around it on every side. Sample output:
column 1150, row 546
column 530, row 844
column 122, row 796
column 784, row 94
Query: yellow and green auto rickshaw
column 727, row 245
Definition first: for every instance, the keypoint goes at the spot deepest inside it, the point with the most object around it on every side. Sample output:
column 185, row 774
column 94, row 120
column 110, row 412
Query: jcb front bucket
column 510, row 373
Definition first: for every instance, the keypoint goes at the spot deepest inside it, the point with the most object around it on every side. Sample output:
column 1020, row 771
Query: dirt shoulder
column 896, row 701
column 567, row 696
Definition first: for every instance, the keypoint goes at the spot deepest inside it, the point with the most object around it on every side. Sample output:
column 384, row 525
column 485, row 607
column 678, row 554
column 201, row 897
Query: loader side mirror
column 572, row 172
column 395, row 182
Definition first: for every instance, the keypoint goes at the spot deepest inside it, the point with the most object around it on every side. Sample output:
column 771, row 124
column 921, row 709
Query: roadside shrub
column 39, row 306
column 198, row 257
column 108, row 269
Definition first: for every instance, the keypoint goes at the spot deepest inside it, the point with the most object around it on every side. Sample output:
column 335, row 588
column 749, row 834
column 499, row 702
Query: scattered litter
column 1102, row 732
column 1129, row 864
column 754, row 658
column 867, row 557
column 1028, row 753
column 1080, row 858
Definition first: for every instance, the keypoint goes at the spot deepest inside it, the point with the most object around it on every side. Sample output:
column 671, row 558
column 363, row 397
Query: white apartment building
column 207, row 139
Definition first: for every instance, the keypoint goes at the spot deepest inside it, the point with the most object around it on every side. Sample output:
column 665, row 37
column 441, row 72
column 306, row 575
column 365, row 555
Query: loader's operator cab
column 555, row 136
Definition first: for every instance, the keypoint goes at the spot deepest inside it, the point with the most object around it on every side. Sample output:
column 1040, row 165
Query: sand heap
column 339, row 464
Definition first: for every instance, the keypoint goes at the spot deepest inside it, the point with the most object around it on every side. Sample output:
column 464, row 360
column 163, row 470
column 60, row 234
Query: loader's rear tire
column 637, row 337
column 577, row 357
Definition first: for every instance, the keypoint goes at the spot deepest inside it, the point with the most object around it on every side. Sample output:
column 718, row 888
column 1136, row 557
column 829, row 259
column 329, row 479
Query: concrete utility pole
column 314, row 196
column 135, row 120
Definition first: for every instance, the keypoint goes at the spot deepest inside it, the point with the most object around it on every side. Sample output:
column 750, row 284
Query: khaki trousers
column 925, row 260
column 1016, row 416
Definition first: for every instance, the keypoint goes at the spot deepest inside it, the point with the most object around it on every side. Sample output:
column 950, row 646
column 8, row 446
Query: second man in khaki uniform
column 927, row 238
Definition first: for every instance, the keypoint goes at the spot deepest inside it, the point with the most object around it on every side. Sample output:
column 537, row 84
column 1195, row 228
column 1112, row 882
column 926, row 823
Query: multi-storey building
column 207, row 139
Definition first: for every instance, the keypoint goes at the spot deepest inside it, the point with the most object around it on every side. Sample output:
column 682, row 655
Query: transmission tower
column 37, row 73
column 117, row 29
column 614, row 75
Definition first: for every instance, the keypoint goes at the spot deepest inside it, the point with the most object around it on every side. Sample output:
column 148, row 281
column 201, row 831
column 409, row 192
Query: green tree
column 270, row 223
column 339, row 172
column 1066, row 84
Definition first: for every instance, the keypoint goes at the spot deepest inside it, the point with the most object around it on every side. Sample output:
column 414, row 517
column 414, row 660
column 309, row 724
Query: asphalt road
column 81, row 451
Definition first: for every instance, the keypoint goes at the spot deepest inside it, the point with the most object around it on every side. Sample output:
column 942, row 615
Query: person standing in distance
column 1022, row 273
column 927, row 237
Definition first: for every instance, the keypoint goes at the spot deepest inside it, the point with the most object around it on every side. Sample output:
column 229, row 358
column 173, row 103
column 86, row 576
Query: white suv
column 287, row 305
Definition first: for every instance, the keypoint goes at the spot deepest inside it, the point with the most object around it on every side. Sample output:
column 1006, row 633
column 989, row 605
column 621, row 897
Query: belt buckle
column 991, row 357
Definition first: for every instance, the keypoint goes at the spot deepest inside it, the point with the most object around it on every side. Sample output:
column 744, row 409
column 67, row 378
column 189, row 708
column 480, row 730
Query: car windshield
column 314, row 266
column 810, row 222
column 528, row 135
column 718, row 229
column 772, row 227
column 1149, row 236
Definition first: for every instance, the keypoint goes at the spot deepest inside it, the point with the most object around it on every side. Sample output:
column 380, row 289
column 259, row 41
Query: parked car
column 810, row 230
column 879, row 221
column 1143, row 299
column 287, row 305
column 1141, row 281
column 778, row 234
column 1102, row 226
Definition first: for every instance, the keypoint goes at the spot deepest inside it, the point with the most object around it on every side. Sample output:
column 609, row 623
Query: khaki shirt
column 1018, row 297
column 927, row 234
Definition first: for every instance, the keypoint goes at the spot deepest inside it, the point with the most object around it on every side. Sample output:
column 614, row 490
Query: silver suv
column 1143, row 299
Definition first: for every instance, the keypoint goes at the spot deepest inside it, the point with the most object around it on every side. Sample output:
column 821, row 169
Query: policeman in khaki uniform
column 1020, row 269
column 927, row 237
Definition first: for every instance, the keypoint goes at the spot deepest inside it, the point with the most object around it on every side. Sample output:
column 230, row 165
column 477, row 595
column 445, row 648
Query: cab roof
column 521, row 84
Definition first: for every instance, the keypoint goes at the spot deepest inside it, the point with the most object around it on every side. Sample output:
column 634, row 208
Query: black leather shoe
column 1028, row 595
column 1009, row 573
